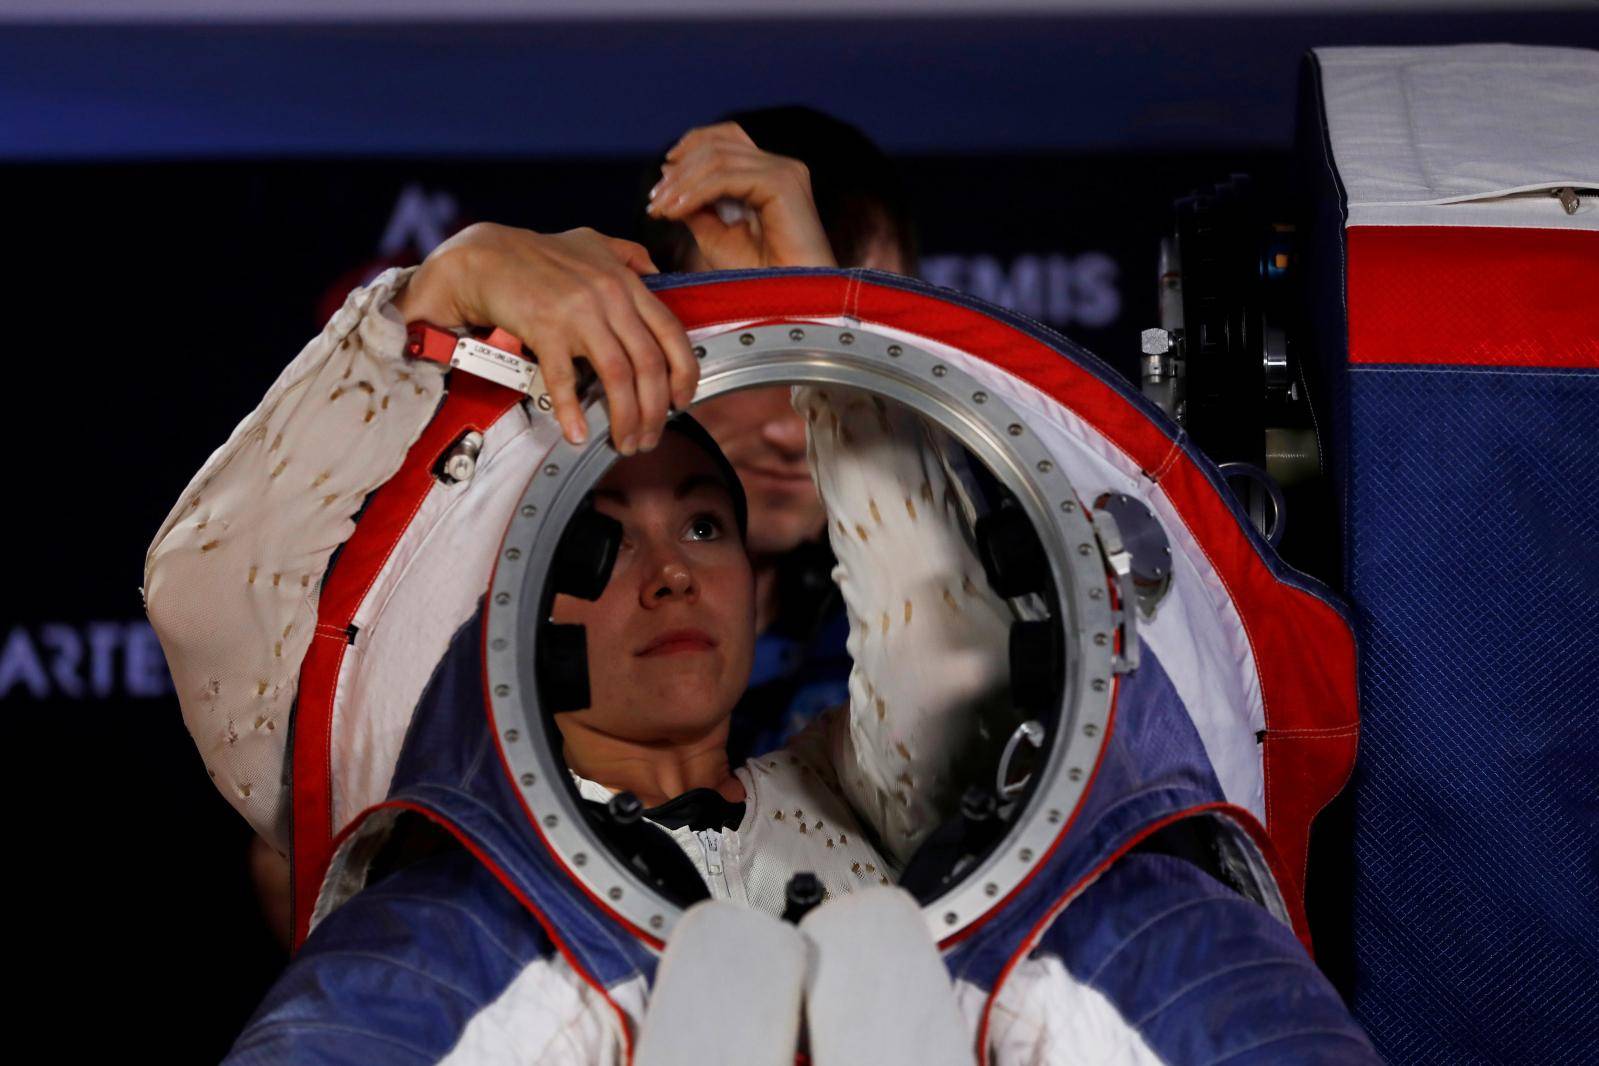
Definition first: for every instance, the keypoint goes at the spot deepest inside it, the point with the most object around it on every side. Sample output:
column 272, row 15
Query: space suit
column 1157, row 924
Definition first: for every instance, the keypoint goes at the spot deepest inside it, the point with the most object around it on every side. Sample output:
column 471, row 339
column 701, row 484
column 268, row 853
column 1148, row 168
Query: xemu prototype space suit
column 1153, row 928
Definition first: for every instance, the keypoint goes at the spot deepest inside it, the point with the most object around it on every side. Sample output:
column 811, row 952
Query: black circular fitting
column 803, row 893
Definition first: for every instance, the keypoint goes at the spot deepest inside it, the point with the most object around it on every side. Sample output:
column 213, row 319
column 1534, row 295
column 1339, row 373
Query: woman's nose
column 669, row 579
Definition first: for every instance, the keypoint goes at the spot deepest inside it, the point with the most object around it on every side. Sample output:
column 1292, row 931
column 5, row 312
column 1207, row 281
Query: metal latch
column 497, row 358
column 1120, row 561
column 460, row 460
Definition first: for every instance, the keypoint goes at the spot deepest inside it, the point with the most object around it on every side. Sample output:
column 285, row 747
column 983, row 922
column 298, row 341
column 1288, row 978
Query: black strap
column 698, row 808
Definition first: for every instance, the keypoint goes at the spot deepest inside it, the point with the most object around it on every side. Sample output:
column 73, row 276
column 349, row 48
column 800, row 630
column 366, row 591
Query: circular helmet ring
column 795, row 353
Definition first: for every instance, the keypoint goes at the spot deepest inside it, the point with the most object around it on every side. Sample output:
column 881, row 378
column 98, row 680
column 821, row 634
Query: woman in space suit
column 488, row 954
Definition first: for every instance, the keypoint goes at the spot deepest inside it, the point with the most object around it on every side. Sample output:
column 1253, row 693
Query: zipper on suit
column 711, row 845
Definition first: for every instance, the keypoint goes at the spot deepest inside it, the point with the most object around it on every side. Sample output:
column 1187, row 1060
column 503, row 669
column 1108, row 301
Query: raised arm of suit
column 927, row 635
column 231, row 580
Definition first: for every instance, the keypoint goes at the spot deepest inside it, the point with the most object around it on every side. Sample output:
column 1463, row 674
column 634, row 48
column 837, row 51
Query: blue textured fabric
column 449, row 765
column 1475, row 514
column 1203, row 974
column 395, row 974
column 1153, row 767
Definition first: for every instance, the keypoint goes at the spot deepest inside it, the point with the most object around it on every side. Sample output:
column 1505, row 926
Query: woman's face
column 671, row 639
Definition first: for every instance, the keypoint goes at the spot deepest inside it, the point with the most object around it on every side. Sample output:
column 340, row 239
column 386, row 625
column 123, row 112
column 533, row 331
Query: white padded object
column 1483, row 130
column 877, row 991
column 727, row 991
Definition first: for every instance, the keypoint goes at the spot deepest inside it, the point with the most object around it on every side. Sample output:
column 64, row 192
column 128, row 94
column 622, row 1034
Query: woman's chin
column 680, row 705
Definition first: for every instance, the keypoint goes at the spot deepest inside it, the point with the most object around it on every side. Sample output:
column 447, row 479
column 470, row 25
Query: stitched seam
column 1168, row 461
column 1331, row 732
column 1145, row 927
column 446, row 904
column 327, row 1027
column 389, row 960
column 1285, row 1036
column 1305, row 964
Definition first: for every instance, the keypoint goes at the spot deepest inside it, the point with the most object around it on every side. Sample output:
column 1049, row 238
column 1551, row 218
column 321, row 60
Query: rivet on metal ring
column 512, row 736
column 498, row 643
column 1101, row 639
column 502, row 598
column 940, row 370
column 551, row 470
column 1075, row 774
column 513, row 553
column 502, row 691
column 1099, row 684
column 1026, row 855
column 895, row 351
column 1045, row 466
column 846, row 337
column 1014, row 429
column 551, row 820
column 1090, row 730
column 1096, row 594
column 950, row 918
column 796, row 334
column 1068, row 506
column 528, row 779
column 990, row 889
column 979, row 397
column 1083, row 549
column 656, row 921
column 746, row 339
column 529, row 511
column 699, row 351
column 579, row 858
column 615, row 892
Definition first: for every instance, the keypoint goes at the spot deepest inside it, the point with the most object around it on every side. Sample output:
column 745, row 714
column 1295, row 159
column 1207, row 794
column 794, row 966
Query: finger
column 649, row 370
column 704, row 182
column 560, row 381
column 615, row 371
column 694, row 163
column 682, row 368
column 632, row 255
column 721, row 131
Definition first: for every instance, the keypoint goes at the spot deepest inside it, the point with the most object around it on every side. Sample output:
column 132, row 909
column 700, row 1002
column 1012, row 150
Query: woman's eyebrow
column 695, row 482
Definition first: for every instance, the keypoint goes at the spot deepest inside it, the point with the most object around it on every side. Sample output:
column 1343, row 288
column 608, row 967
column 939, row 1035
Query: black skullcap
column 686, row 425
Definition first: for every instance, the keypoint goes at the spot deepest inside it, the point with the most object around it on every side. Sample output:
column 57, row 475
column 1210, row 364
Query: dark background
column 182, row 203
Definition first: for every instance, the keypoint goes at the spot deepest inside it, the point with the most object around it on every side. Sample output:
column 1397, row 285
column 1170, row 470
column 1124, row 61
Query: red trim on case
column 1473, row 296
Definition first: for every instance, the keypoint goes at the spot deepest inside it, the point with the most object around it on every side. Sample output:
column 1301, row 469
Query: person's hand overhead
column 721, row 165
column 573, row 295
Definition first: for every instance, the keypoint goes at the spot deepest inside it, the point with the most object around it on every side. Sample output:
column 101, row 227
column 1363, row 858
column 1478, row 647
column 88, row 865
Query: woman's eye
column 704, row 527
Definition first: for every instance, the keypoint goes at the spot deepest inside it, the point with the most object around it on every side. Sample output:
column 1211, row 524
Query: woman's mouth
column 678, row 641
